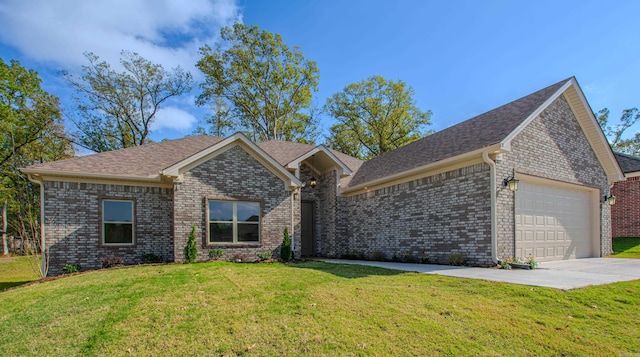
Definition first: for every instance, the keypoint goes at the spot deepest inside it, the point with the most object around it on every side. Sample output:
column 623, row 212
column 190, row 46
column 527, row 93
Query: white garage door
column 553, row 223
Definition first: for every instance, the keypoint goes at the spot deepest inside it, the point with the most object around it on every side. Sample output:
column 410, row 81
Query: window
column 117, row 222
column 234, row 222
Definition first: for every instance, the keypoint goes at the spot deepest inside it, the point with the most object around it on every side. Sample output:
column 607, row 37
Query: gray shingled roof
column 628, row 163
column 141, row 161
column 284, row 151
column 481, row 131
column 147, row 161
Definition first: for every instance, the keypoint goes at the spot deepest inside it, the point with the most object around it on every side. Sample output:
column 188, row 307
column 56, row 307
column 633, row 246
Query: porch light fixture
column 610, row 199
column 512, row 182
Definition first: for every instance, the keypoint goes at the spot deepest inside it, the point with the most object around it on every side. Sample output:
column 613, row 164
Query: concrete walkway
column 564, row 274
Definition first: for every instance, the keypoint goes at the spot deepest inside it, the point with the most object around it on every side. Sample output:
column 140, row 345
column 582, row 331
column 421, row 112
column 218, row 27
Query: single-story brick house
column 625, row 214
column 447, row 193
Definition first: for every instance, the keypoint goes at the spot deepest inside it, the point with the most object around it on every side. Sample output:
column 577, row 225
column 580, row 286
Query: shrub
column 394, row 258
column 112, row 261
column 71, row 268
column 425, row 258
column 265, row 255
column 377, row 255
column 285, row 248
column 532, row 262
column 505, row 265
column 456, row 259
column 216, row 253
column 191, row 249
column 151, row 258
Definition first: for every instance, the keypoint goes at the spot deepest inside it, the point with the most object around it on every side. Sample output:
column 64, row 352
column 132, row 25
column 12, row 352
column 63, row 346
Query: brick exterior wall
column 73, row 223
column 552, row 146
column 436, row 215
column 324, row 197
column 625, row 214
column 233, row 175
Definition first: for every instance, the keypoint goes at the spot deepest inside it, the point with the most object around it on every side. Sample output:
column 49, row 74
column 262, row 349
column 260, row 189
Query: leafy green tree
column 266, row 85
column 374, row 116
column 31, row 132
column 115, row 110
column 614, row 133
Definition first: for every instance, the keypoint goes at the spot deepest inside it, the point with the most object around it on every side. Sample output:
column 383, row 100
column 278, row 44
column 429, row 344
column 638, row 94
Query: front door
column 307, row 229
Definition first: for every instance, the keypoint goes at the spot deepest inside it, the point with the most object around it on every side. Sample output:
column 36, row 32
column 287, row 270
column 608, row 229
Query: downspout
column 492, row 183
column 293, row 198
column 43, row 241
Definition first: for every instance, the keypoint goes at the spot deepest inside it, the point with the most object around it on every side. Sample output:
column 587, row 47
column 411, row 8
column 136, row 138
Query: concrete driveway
column 563, row 274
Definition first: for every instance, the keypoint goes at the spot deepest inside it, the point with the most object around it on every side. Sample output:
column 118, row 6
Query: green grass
column 15, row 270
column 311, row 309
column 626, row 247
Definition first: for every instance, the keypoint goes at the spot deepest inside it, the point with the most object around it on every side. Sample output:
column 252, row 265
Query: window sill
column 117, row 245
column 233, row 245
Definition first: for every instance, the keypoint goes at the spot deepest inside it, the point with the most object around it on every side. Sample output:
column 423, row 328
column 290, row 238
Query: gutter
column 492, row 183
column 294, row 193
column 373, row 184
column 55, row 173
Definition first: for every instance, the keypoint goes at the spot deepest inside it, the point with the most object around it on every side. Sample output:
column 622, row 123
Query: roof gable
column 198, row 158
column 290, row 154
column 294, row 164
column 588, row 122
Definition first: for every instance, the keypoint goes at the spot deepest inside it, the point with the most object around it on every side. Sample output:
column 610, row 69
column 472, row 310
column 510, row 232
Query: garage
column 555, row 222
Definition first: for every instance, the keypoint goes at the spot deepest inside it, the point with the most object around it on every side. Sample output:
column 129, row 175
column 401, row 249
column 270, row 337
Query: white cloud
column 168, row 32
column 173, row 118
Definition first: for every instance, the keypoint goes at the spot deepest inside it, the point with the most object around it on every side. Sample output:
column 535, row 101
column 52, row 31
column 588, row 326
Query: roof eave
column 496, row 148
column 56, row 173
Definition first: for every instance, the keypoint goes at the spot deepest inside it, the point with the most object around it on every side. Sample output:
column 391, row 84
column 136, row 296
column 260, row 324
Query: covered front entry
column 555, row 222
column 307, row 230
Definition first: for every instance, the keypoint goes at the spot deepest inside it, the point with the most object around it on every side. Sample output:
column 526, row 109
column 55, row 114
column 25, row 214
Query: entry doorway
column 307, row 229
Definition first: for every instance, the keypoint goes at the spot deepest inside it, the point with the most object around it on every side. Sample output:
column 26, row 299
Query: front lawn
column 626, row 247
column 15, row 270
column 227, row 309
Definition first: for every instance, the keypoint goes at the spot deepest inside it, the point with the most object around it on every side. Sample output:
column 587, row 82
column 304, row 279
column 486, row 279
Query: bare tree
column 115, row 110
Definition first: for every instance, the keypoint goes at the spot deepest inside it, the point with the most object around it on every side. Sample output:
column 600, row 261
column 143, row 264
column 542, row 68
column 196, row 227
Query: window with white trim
column 234, row 222
column 117, row 222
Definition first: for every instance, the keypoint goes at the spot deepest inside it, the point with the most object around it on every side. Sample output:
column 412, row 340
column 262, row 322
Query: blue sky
column 462, row 58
